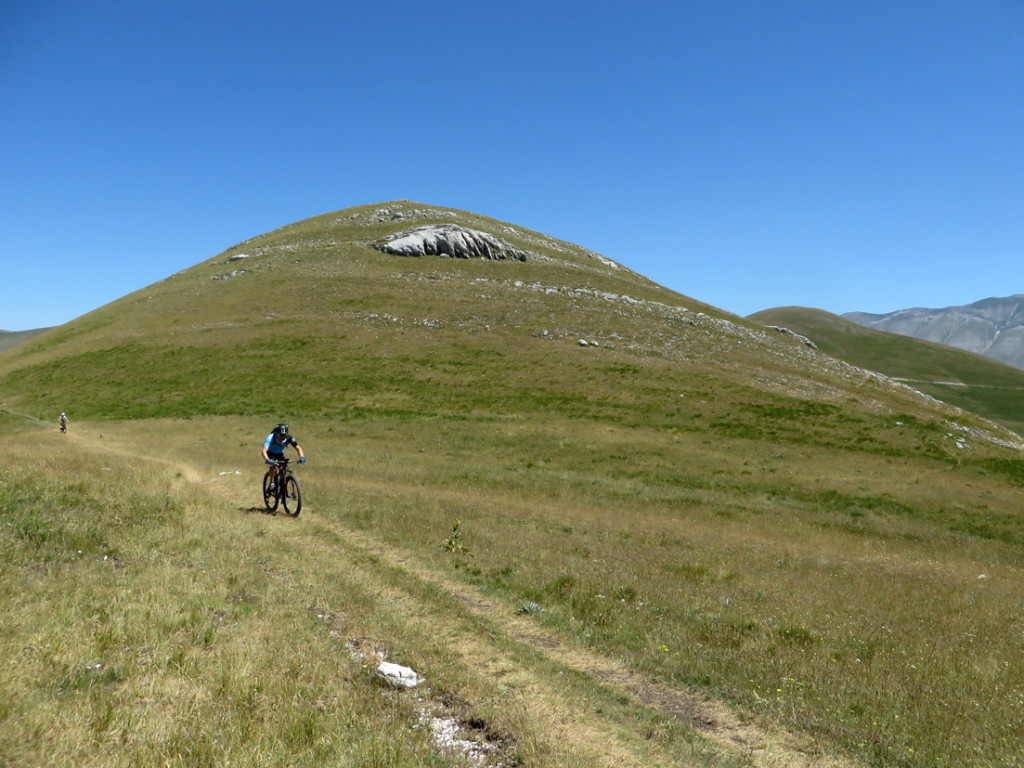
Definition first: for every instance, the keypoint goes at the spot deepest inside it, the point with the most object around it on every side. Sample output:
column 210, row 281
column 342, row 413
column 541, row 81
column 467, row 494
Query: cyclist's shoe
column 272, row 488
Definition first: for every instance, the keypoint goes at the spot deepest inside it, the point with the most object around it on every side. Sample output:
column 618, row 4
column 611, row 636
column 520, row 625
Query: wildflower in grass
column 454, row 541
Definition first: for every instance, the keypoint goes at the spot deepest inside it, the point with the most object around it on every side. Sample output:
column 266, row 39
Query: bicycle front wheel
column 292, row 497
column 269, row 496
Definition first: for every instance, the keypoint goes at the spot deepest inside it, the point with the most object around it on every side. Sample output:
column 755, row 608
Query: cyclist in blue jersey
column 274, row 445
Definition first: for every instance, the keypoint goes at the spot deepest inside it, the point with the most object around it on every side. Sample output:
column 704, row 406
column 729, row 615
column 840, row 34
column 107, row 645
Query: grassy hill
column 973, row 382
column 689, row 541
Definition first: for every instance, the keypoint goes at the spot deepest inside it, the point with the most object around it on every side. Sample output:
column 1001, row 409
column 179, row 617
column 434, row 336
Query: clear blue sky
column 847, row 155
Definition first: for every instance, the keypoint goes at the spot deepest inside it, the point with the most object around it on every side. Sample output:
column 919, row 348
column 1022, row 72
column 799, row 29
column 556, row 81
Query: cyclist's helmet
column 282, row 430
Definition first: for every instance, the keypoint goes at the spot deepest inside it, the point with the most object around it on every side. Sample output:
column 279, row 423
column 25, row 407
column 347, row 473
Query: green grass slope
column 315, row 322
column 314, row 318
column 973, row 382
column 729, row 538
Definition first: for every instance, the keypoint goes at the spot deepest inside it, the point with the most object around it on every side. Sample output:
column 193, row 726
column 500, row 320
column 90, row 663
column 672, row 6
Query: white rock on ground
column 397, row 675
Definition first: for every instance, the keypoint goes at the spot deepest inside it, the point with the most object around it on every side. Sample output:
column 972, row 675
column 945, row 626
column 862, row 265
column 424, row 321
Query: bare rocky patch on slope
column 453, row 241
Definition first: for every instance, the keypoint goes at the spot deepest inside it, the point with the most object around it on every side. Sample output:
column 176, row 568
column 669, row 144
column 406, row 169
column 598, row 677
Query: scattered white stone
column 802, row 339
column 446, row 733
column 399, row 212
column 603, row 259
column 396, row 675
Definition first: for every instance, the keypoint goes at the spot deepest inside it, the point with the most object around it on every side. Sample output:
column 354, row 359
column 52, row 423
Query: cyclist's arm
column 299, row 449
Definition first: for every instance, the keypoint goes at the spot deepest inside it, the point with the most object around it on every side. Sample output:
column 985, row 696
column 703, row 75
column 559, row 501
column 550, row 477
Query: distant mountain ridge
column 10, row 339
column 992, row 327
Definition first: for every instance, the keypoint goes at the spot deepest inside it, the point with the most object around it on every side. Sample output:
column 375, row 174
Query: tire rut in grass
column 760, row 744
column 480, row 645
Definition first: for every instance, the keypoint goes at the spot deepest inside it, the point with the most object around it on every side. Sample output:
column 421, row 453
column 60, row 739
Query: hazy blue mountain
column 991, row 327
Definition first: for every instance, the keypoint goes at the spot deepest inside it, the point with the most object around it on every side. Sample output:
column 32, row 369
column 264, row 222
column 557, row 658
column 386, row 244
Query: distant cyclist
column 274, row 445
column 63, row 422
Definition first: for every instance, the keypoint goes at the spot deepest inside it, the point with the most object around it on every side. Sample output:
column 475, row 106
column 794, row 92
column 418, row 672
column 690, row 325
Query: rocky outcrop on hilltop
column 424, row 242
column 453, row 241
column 992, row 327
column 402, row 212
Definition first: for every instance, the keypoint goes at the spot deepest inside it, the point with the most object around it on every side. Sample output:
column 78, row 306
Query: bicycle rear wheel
column 269, row 497
column 292, row 497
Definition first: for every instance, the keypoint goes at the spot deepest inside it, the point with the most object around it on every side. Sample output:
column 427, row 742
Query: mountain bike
column 286, row 490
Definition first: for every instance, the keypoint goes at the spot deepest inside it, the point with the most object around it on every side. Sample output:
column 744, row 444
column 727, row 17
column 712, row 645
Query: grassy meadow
column 142, row 630
column 561, row 538
column 810, row 589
